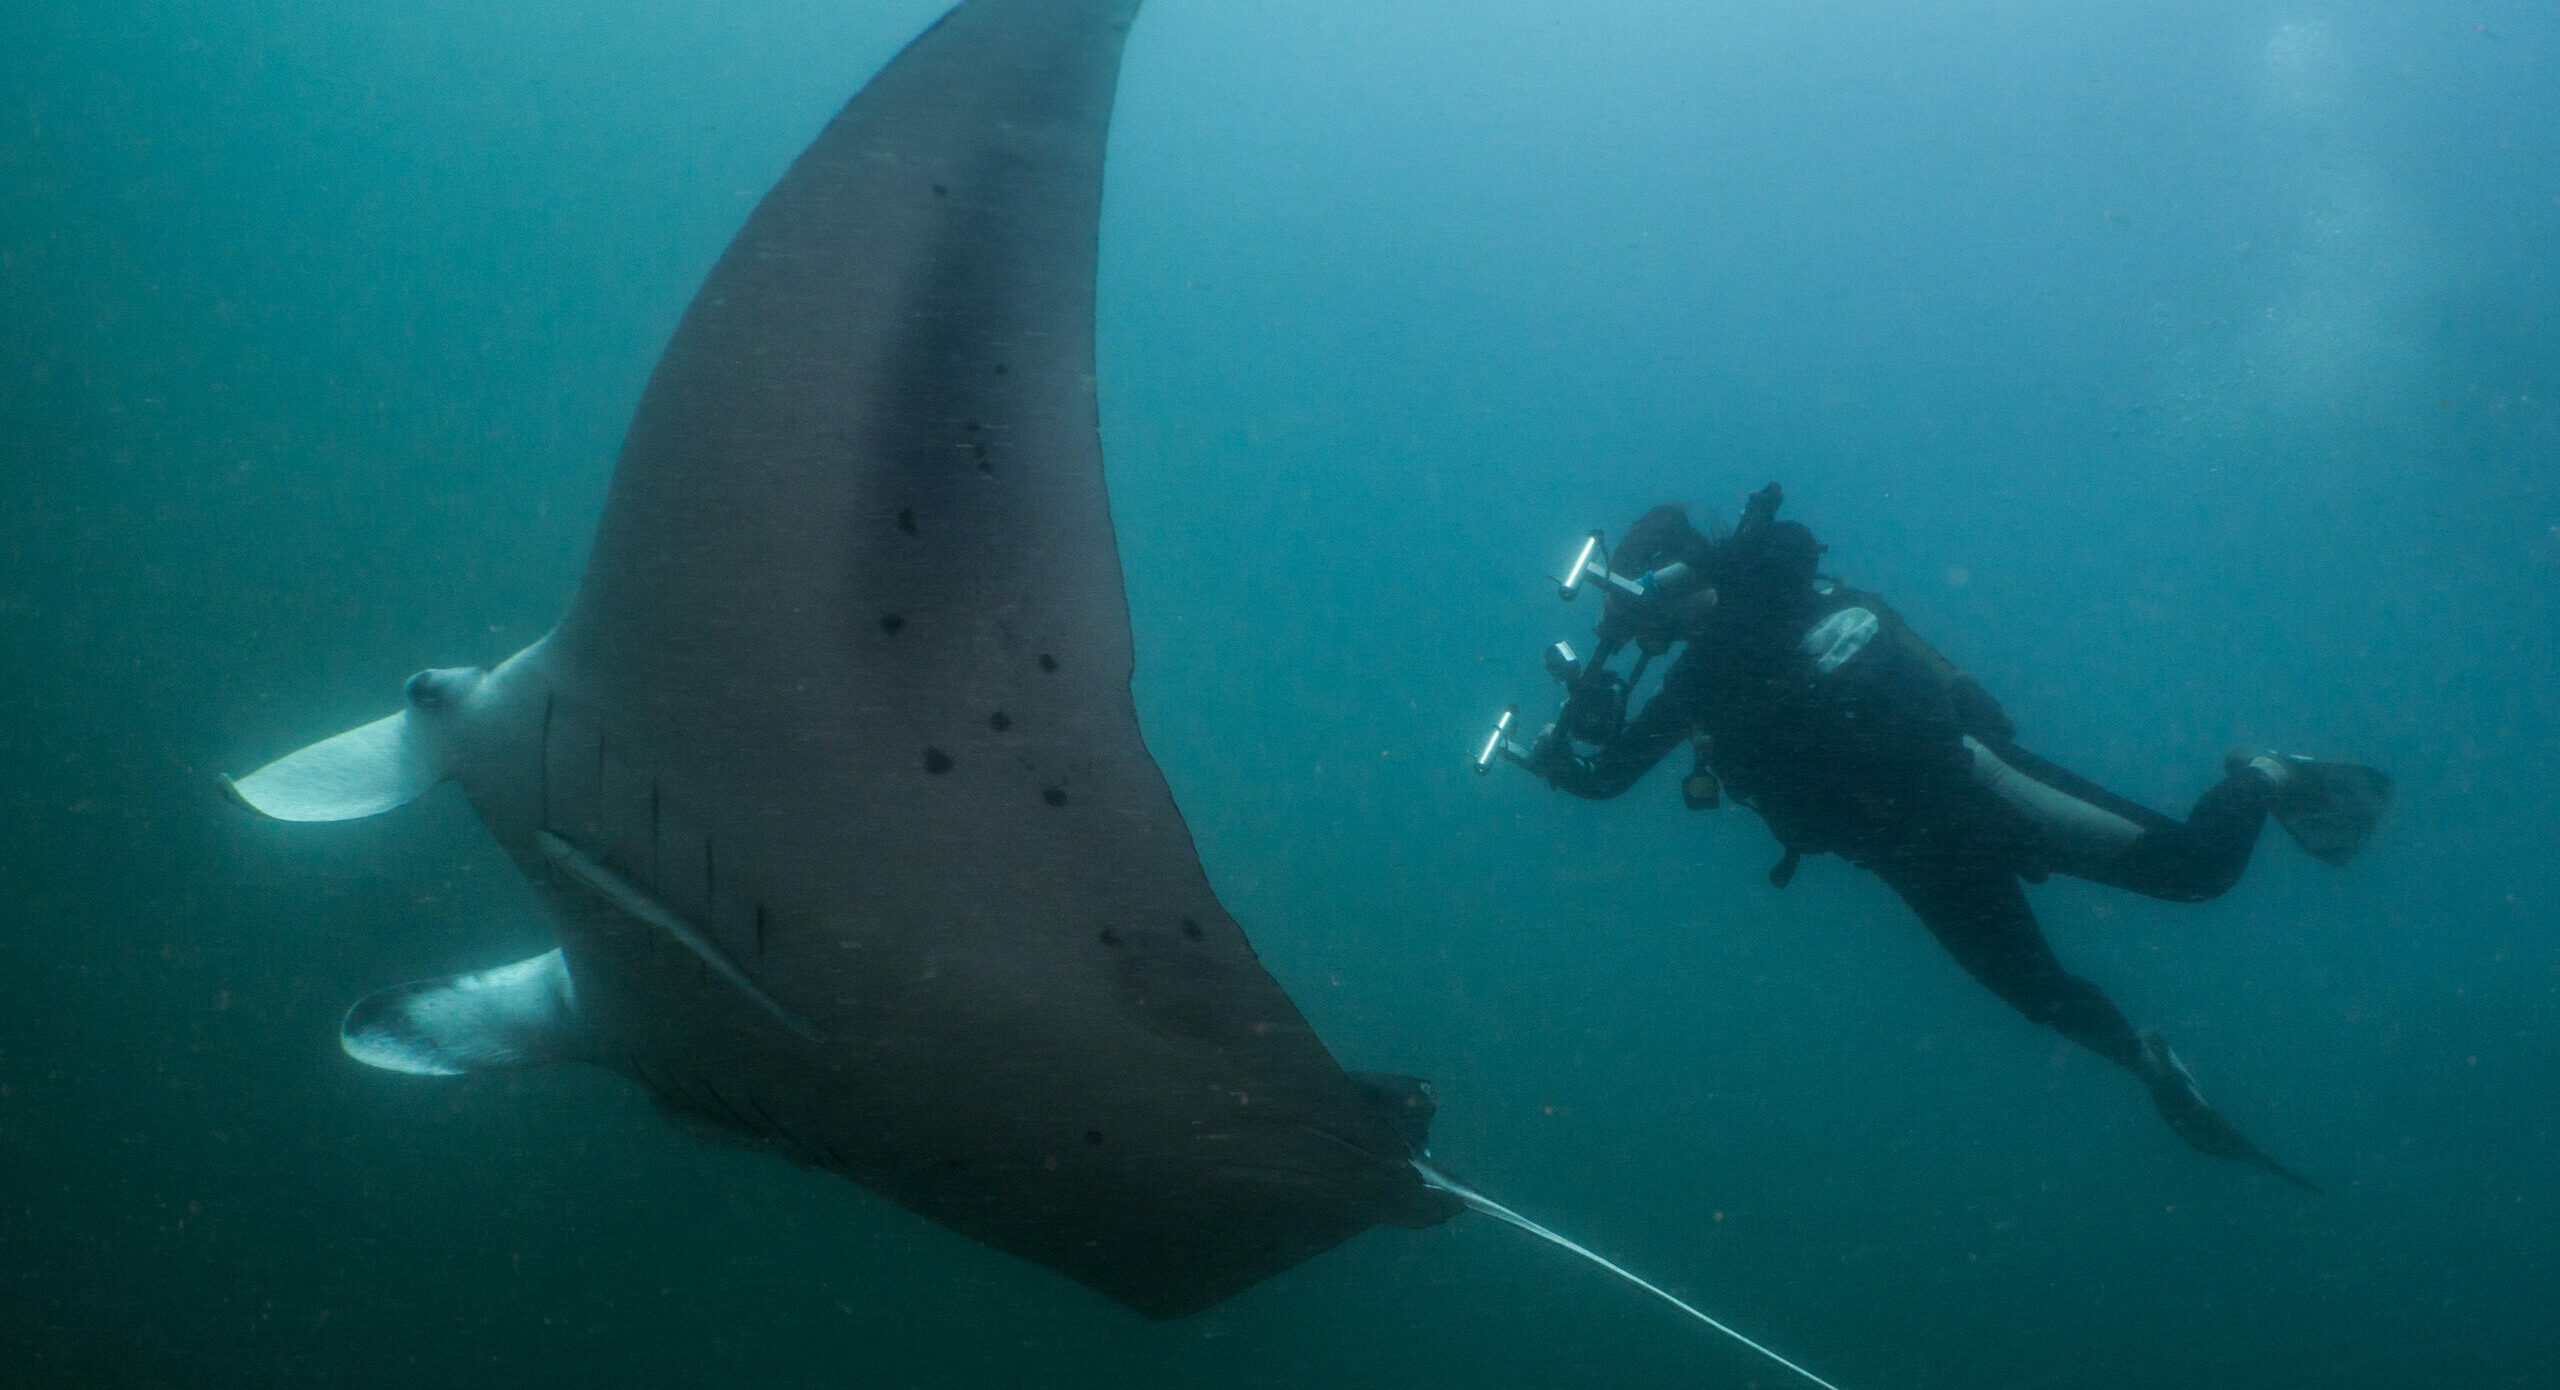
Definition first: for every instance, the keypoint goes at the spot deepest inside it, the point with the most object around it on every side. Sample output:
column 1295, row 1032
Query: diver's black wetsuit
column 1902, row 765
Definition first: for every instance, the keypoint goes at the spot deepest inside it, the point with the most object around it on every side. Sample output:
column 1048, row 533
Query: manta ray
column 830, row 781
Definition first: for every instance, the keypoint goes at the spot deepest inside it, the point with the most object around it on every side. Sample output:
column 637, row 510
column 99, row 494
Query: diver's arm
column 1662, row 726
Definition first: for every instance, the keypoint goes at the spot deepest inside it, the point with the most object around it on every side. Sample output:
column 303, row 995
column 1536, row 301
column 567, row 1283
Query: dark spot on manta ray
column 951, row 1165
column 1055, row 796
column 907, row 520
column 941, row 192
column 1093, row 1136
column 891, row 622
column 1048, row 662
column 1107, row 937
column 1190, row 929
column 1001, row 369
column 936, row 761
column 978, row 448
column 999, row 721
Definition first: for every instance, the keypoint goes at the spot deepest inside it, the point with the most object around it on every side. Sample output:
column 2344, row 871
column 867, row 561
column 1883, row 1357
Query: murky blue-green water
column 2189, row 372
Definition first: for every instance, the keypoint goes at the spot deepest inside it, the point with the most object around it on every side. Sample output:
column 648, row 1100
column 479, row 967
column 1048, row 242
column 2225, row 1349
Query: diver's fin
column 2266, row 1160
column 362, row 772
column 2182, row 1104
column 2330, row 809
column 518, row 1015
column 1439, row 1181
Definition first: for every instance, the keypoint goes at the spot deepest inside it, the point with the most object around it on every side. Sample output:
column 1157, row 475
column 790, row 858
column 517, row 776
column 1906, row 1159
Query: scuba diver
column 1816, row 706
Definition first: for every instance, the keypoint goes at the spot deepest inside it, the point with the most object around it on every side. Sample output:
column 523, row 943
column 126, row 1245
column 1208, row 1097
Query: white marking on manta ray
column 620, row 892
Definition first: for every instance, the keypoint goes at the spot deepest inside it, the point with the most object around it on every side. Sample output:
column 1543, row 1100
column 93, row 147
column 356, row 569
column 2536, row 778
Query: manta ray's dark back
column 845, row 691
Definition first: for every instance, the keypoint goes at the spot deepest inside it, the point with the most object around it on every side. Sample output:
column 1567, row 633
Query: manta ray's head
column 456, row 721
column 481, row 726
column 447, row 713
column 440, row 692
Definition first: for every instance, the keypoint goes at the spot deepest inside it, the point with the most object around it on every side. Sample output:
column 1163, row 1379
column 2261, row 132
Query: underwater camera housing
column 1595, row 695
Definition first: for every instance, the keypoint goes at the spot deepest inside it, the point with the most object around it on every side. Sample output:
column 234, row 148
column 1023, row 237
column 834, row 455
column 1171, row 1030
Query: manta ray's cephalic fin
column 518, row 1015
column 365, row 771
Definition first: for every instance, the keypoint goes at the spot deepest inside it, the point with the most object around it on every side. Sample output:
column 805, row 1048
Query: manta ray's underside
column 831, row 781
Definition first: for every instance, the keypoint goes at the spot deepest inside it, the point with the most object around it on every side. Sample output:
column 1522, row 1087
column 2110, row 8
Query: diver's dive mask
column 1652, row 608
column 1675, row 607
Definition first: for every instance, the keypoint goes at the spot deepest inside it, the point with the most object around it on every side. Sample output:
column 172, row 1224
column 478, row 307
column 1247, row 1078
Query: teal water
column 2190, row 373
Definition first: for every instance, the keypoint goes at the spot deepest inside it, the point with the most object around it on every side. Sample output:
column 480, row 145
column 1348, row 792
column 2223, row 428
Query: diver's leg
column 2148, row 853
column 1978, row 911
column 2204, row 856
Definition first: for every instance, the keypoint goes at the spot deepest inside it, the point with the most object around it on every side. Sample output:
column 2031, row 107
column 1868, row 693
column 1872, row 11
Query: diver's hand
column 1550, row 754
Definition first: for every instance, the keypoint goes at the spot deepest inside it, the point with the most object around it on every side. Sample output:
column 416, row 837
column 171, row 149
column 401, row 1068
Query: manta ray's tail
column 1434, row 1178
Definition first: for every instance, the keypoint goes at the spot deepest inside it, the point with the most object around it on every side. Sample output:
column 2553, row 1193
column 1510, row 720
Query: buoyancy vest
column 1976, row 712
column 1846, row 738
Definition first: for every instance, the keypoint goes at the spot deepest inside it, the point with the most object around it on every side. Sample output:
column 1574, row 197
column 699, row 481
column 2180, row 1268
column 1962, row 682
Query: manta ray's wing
column 846, row 690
